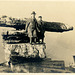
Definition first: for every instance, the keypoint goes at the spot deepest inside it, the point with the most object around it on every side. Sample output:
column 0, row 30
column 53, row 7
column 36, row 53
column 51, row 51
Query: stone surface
column 25, row 50
column 35, row 67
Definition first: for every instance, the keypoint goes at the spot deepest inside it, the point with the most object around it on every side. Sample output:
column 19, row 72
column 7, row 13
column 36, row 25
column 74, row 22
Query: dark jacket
column 41, row 29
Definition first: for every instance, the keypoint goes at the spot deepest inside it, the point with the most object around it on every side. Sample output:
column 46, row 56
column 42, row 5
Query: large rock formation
column 25, row 50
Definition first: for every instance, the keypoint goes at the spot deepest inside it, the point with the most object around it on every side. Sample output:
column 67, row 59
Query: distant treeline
column 12, row 22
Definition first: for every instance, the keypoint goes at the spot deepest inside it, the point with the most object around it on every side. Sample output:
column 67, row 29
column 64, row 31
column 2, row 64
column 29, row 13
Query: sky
column 59, row 46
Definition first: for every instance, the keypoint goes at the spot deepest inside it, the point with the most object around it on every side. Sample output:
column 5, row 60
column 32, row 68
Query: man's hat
column 33, row 12
column 40, row 17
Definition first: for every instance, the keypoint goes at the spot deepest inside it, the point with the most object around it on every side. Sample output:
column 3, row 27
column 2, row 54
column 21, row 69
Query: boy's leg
column 42, row 39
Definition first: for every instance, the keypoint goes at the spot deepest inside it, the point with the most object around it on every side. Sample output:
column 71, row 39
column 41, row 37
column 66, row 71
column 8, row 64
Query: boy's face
column 40, row 19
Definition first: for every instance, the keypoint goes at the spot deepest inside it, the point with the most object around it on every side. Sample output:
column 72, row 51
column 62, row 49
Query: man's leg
column 31, row 35
column 31, row 40
column 35, row 36
column 35, row 39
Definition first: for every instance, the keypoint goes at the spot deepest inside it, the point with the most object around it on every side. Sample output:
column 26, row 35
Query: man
column 41, row 30
column 31, row 27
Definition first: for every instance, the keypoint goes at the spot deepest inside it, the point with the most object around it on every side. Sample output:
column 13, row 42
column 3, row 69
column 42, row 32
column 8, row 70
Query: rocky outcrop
column 25, row 50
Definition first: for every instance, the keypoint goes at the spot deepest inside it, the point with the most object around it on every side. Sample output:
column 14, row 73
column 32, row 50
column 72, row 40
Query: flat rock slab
column 45, row 66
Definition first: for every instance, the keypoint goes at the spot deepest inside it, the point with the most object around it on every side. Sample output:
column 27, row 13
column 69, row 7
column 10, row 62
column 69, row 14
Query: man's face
column 33, row 16
column 40, row 19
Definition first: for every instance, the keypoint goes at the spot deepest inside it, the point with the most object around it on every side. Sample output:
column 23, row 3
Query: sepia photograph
column 37, row 36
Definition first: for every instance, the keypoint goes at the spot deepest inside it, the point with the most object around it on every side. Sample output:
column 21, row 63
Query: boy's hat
column 40, row 17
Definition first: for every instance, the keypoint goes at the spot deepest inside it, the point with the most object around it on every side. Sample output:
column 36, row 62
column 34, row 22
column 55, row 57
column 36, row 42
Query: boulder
column 26, row 50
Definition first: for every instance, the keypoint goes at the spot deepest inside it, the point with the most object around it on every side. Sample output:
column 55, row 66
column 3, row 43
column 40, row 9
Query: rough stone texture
column 25, row 50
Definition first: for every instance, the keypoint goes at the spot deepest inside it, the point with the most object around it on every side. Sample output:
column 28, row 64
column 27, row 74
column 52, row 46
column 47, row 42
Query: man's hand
column 25, row 30
column 38, row 29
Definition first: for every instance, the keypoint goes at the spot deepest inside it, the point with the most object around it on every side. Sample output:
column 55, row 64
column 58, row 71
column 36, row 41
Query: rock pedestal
column 24, row 50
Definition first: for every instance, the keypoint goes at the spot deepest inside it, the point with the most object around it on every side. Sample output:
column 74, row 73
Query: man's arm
column 37, row 27
column 26, row 27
